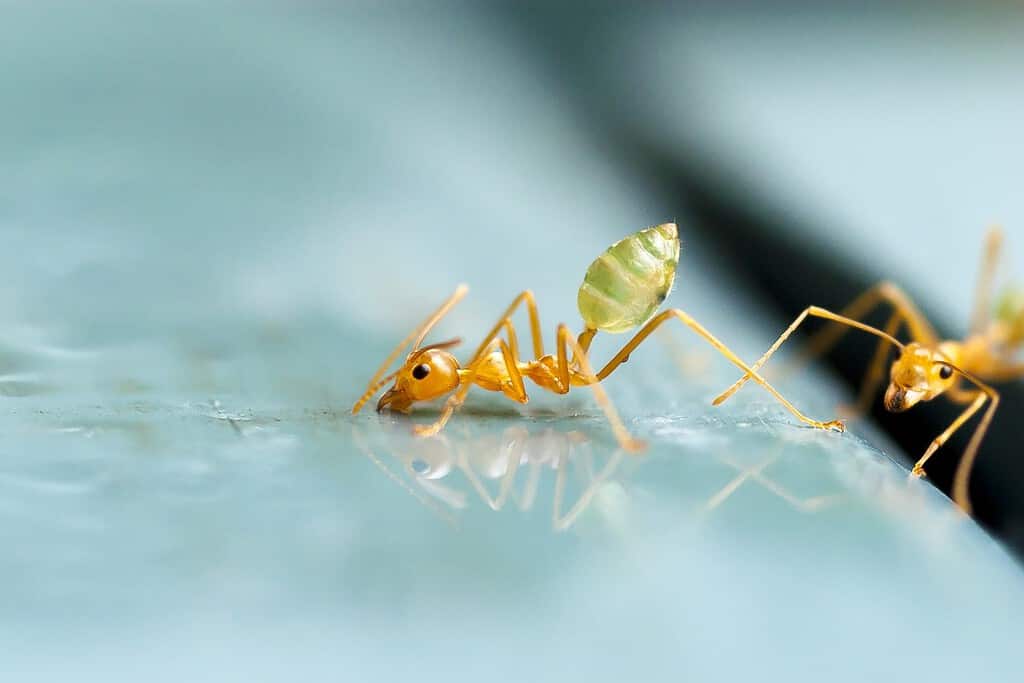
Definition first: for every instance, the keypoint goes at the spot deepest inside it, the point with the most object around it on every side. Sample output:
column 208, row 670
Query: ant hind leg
column 696, row 327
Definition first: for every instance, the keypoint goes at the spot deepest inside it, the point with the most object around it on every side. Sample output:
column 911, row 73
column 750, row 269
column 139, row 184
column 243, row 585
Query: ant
column 623, row 288
column 927, row 366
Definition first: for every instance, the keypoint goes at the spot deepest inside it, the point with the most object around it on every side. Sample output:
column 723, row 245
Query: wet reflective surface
column 148, row 532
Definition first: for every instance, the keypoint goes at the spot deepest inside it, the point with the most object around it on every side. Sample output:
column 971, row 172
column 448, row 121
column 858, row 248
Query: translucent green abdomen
column 625, row 286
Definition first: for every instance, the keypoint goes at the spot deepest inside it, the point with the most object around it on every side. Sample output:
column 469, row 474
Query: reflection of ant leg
column 565, row 342
column 507, row 478
column 684, row 318
column 983, row 290
column 756, row 473
column 563, row 522
column 730, row 488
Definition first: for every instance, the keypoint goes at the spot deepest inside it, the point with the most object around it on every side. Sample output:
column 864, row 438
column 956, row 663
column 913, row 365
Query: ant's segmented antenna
column 372, row 389
column 418, row 334
column 460, row 292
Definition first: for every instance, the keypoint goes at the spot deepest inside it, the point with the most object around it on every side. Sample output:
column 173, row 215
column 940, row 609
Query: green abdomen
column 625, row 286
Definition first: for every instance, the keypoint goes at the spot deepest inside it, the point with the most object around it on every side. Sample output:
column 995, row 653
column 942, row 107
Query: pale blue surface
column 217, row 226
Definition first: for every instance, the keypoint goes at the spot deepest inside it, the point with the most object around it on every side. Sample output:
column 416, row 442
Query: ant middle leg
column 696, row 327
column 977, row 399
column 526, row 296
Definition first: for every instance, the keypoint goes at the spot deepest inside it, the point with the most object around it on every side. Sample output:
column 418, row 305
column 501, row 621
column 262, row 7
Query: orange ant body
column 622, row 290
column 927, row 366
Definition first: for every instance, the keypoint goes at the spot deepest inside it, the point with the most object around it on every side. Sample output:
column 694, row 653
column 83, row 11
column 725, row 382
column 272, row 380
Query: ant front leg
column 963, row 471
column 693, row 325
column 526, row 296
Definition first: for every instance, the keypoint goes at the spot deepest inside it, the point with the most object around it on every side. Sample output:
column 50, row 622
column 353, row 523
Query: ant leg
column 963, row 470
column 884, row 292
column 565, row 342
column 683, row 317
column 458, row 398
column 962, row 477
column 810, row 311
column 983, row 290
column 480, row 355
column 535, row 331
column 510, row 354
column 421, row 330
column 978, row 400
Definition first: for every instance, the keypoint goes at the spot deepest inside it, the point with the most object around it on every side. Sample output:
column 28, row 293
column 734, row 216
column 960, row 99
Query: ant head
column 427, row 373
column 919, row 374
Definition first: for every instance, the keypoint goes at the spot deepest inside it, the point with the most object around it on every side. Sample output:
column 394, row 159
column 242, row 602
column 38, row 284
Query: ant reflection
column 755, row 472
column 493, row 465
column 509, row 469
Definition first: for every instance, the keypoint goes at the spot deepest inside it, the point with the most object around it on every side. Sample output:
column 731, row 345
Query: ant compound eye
column 945, row 372
column 421, row 371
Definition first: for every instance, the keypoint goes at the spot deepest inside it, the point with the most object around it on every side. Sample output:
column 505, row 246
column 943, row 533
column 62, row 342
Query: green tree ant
column 927, row 366
column 623, row 288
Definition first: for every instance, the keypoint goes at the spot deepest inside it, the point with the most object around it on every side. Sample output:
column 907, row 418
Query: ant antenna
column 441, row 312
column 419, row 333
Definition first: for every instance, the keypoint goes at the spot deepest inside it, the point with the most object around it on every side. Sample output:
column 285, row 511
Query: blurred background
column 217, row 218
